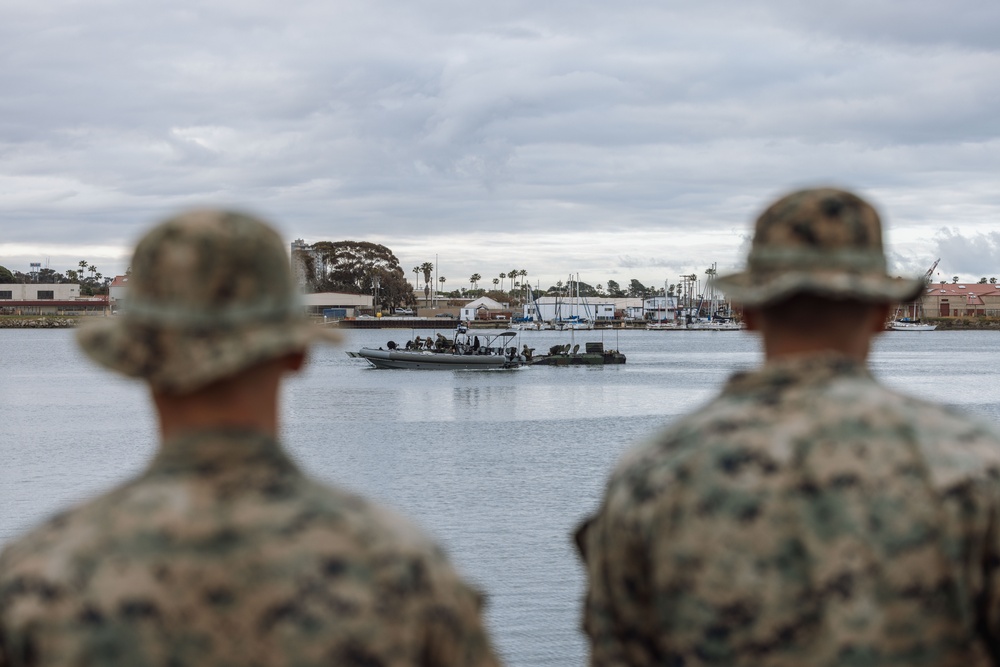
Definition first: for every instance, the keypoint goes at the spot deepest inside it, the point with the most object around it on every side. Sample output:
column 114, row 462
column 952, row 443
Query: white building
column 39, row 292
column 337, row 305
column 485, row 308
column 48, row 299
column 551, row 308
column 659, row 308
column 117, row 289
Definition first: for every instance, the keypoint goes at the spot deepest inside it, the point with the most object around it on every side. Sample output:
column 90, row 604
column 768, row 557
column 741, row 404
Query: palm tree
column 496, row 281
column 502, row 276
column 416, row 271
column 441, row 280
column 474, row 280
column 427, row 268
column 513, row 273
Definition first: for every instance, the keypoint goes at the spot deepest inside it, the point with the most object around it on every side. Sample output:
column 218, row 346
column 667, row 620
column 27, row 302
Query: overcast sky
column 614, row 140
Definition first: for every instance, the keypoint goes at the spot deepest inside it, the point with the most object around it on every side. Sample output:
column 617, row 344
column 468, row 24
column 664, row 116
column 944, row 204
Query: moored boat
column 904, row 325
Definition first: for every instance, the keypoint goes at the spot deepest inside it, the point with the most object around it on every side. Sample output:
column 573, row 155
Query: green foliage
column 356, row 267
column 636, row 289
column 94, row 284
column 615, row 290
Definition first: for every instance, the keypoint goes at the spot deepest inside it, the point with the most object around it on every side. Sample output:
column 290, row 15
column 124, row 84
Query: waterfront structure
column 485, row 308
column 116, row 291
column 39, row 292
column 551, row 308
column 337, row 305
column 48, row 299
column 961, row 300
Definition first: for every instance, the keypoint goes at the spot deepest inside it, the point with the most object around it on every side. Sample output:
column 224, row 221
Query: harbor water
column 499, row 466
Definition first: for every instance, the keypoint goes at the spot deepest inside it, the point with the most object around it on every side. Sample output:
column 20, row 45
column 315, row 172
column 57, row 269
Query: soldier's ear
column 294, row 361
column 879, row 316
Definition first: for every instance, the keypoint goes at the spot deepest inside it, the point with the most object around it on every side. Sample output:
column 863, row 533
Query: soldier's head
column 817, row 258
column 209, row 296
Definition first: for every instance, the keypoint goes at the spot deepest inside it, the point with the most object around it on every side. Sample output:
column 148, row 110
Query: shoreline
column 62, row 322
column 37, row 322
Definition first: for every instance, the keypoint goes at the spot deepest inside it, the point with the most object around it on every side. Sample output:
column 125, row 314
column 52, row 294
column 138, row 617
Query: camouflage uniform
column 223, row 552
column 807, row 515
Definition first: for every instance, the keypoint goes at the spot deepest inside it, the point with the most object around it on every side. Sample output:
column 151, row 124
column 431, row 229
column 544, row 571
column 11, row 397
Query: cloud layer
column 558, row 137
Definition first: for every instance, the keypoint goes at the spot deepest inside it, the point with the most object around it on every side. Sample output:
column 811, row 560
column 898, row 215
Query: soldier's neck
column 248, row 401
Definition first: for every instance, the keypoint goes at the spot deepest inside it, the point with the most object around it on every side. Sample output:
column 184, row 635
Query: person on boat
column 223, row 552
column 808, row 515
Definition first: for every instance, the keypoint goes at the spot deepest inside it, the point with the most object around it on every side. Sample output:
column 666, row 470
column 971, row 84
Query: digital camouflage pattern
column 823, row 241
column 223, row 553
column 806, row 516
column 210, row 294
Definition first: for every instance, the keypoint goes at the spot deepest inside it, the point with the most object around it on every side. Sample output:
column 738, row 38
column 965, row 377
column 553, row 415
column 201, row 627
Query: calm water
column 498, row 465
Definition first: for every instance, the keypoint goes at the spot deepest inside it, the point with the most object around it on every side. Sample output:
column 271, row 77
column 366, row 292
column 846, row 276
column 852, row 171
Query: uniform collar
column 797, row 371
column 213, row 451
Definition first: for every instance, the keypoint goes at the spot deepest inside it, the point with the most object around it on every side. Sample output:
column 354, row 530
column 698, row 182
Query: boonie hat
column 822, row 241
column 210, row 294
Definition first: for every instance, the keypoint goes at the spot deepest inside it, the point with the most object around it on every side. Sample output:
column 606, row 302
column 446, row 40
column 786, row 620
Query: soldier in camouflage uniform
column 222, row 552
column 807, row 515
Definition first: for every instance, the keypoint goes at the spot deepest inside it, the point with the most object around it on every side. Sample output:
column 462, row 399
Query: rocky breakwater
column 37, row 322
column 964, row 323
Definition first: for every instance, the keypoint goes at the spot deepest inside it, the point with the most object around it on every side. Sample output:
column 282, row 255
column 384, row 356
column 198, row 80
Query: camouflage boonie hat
column 210, row 294
column 822, row 241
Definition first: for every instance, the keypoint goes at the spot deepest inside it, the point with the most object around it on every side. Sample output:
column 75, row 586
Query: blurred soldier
column 807, row 515
column 223, row 552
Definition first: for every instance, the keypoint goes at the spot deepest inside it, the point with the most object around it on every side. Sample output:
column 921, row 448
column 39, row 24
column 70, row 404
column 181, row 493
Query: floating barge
column 594, row 354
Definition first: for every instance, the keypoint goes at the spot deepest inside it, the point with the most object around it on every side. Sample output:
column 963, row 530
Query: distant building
column 301, row 252
column 54, row 299
column 39, row 292
column 958, row 300
column 485, row 308
column 596, row 309
column 117, row 289
column 337, row 305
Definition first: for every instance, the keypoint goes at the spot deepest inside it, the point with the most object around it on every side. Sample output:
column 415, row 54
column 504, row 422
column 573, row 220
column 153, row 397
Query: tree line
column 91, row 281
column 362, row 267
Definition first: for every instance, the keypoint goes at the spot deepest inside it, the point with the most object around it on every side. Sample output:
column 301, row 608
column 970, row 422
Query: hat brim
column 181, row 360
column 760, row 290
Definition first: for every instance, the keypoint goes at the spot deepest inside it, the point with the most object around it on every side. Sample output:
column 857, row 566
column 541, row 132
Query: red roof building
column 961, row 300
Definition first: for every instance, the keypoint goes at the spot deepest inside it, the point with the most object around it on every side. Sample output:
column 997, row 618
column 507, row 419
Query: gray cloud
column 457, row 122
column 978, row 254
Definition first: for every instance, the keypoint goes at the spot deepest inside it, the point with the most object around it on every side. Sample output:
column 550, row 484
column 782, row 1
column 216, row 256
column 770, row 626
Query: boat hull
column 910, row 326
column 585, row 359
column 429, row 360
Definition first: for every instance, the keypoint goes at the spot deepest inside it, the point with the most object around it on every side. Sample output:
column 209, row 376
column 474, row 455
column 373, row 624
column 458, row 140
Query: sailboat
column 909, row 317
